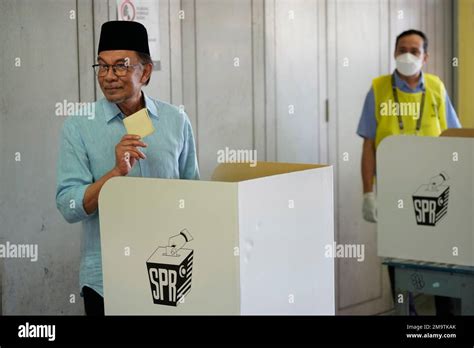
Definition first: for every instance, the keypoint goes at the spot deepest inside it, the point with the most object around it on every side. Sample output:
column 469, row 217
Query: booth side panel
column 168, row 247
column 425, row 199
column 286, row 224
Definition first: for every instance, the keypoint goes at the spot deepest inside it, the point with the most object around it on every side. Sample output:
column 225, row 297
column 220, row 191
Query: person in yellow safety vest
column 407, row 102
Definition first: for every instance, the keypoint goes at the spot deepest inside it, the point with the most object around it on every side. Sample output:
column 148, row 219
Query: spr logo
column 430, row 201
column 170, row 270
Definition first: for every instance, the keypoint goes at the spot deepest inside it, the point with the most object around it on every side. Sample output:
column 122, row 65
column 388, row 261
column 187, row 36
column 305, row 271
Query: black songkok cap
column 123, row 35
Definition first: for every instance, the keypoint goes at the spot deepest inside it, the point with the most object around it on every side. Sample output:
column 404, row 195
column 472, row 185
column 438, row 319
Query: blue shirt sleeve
column 367, row 123
column 188, row 165
column 451, row 116
column 73, row 174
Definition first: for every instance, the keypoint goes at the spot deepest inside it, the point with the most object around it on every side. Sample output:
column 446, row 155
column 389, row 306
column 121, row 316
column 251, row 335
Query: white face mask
column 408, row 64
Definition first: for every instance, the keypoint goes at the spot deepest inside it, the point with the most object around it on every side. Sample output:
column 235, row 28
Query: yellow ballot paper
column 139, row 123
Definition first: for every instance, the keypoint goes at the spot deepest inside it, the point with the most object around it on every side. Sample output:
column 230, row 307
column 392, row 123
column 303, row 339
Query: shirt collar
column 151, row 106
column 401, row 84
column 111, row 110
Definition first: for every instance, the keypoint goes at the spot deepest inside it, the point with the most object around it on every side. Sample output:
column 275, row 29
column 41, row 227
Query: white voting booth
column 425, row 195
column 252, row 241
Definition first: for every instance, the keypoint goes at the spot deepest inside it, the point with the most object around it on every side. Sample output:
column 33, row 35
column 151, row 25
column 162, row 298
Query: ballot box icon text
column 170, row 271
column 431, row 201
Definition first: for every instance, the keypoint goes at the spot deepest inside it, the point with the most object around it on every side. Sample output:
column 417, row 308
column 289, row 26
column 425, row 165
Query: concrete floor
column 425, row 305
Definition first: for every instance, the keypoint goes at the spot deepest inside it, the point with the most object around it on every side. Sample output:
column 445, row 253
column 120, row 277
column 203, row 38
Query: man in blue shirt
column 95, row 149
column 411, row 43
column 411, row 53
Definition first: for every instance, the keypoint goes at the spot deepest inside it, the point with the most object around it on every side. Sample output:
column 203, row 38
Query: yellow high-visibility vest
column 433, row 117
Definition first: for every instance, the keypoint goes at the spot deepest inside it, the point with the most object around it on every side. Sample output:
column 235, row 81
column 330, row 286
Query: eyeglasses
column 120, row 69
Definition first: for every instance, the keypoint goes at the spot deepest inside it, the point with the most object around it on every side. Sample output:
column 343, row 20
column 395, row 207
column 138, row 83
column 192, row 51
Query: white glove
column 369, row 207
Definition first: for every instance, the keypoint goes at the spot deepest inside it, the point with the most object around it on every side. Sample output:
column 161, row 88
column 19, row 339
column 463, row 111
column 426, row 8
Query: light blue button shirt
column 368, row 124
column 87, row 152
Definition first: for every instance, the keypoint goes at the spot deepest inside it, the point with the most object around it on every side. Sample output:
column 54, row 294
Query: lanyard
column 422, row 106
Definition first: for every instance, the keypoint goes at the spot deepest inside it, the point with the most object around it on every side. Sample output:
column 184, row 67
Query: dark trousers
column 443, row 304
column 93, row 302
